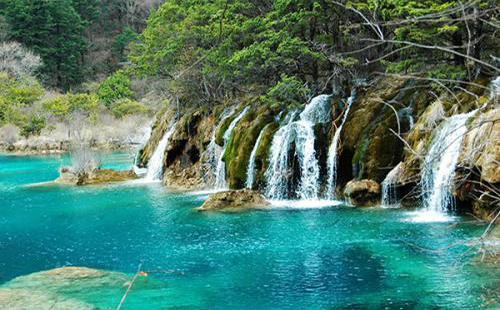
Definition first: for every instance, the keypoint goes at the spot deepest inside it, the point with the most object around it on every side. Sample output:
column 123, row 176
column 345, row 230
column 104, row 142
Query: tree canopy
column 212, row 49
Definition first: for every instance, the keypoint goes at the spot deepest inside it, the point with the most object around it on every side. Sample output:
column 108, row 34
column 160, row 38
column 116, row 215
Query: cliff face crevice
column 391, row 120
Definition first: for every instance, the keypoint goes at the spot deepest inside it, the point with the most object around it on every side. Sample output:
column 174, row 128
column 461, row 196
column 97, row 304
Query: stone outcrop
column 58, row 289
column 392, row 120
column 362, row 192
column 234, row 201
column 242, row 142
column 479, row 164
column 370, row 146
column 481, row 145
column 99, row 176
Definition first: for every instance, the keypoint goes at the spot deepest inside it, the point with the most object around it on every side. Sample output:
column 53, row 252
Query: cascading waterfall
column 147, row 135
column 301, row 132
column 389, row 196
column 212, row 153
column 251, row 163
column 155, row 164
column 440, row 162
column 332, row 151
column 220, row 181
column 277, row 174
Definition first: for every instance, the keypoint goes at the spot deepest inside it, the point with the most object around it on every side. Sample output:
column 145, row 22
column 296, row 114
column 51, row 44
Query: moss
column 366, row 134
column 242, row 142
column 263, row 152
column 221, row 130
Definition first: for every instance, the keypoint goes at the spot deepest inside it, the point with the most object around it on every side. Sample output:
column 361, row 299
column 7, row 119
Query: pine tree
column 53, row 30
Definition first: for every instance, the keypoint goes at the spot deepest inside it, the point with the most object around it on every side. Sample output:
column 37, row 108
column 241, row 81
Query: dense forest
column 204, row 52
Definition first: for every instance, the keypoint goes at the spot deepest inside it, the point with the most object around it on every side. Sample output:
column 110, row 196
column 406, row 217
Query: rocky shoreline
column 391, row 123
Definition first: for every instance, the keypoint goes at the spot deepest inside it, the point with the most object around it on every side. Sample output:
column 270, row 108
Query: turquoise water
column 328, row 258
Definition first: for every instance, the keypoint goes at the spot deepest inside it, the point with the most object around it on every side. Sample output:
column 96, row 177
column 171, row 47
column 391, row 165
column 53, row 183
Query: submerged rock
column 234, row 201
column 21, row 299
column 60, row 289
column 362, row 192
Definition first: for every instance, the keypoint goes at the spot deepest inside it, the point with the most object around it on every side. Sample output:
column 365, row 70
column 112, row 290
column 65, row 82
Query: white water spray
column 332, row 151
column 389, row 197
column 155, row 164
column 251, row 162
column 220, row 182
column 439, row 167
column 142, row 171
column 210, row 157
column 278, row 174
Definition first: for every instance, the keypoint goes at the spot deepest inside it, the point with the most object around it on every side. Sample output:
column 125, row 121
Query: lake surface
column 287, row 258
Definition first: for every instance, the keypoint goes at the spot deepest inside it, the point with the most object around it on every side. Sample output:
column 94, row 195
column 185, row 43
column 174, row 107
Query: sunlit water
column 330, row 257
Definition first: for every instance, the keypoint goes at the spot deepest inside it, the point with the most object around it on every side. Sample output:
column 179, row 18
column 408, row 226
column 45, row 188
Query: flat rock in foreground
column 234, row 201
column 60, row 289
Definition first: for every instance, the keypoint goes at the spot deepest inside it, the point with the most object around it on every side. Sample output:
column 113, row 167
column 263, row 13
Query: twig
column 130, row 286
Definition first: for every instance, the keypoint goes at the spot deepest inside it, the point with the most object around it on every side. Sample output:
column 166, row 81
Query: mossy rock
column 263, row 153
column 242, row 142
column 162, row 119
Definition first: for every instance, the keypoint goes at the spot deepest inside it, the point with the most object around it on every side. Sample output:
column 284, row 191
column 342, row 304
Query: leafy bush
column 15, row 95
column 24, row 92
column 115, row 87
column 128, row 107
column 33, row 127
column 62, row 105
column 289, row 90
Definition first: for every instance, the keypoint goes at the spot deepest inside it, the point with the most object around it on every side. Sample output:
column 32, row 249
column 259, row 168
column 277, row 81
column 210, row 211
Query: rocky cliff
column 392, row 120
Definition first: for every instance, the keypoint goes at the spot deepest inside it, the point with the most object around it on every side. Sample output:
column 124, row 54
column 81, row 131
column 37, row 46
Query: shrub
column 115, row 87
column 128, row 107
column 33, row 127
column 24, row 91
column 62, row 105
column 57, row 106
column 289, row 90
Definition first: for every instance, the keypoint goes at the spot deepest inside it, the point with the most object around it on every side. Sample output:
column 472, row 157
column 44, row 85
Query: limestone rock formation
column 362, row 192
column 234, row 201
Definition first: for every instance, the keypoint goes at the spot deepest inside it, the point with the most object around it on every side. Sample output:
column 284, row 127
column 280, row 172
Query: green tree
column 53, row 30
column 122, row 41
column 115, row 87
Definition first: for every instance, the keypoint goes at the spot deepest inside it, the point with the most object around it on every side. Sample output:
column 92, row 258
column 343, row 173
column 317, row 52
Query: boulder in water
column 98, row 176
column 234, row 201
column 362, row 192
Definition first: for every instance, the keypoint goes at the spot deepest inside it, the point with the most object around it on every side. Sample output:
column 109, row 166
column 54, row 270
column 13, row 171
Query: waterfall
column 278, row 174
column 155, row 164
column 440, row 162
column 389, row 196
column 147, row 135
column 332, row 151
column 251, row 162
column 212, row 153
column 220, row 173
